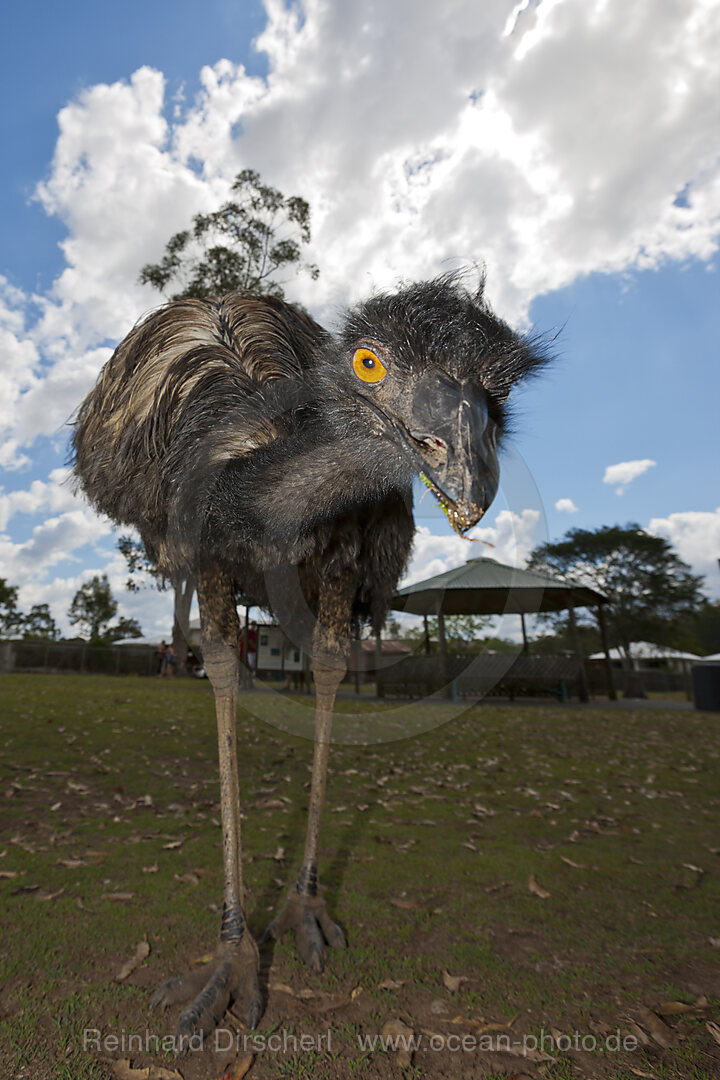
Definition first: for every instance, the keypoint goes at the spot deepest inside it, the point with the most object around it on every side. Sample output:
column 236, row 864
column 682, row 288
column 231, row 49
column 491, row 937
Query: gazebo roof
column 484, row 586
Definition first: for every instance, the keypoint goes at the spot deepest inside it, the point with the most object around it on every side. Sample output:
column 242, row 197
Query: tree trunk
column 583, row 692
column 184, row 590
column 608, row 665
column 633, row 683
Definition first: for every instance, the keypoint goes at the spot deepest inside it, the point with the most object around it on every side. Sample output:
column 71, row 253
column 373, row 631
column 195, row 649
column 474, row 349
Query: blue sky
column 571, row 149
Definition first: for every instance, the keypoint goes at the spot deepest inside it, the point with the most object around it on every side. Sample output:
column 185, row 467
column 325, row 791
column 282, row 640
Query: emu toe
column 231, row 975
column 308, row 917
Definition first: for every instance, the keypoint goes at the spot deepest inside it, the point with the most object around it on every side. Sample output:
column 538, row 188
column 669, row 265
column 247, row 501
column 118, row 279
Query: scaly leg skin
column 233, row 972
column 304, row 910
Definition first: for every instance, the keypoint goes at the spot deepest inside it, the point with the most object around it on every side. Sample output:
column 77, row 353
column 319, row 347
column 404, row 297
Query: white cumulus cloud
column 510, row 540
column 549, row 140
column 566, row 506
column 625, row 472
column 695, row 535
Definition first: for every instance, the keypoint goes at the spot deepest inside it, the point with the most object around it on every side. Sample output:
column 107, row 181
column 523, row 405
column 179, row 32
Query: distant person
column 170, row 662
column 251, row 661
column 252, row 646
column 161, row 659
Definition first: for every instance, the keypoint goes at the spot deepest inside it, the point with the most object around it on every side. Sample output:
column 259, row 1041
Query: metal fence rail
column 40, row 656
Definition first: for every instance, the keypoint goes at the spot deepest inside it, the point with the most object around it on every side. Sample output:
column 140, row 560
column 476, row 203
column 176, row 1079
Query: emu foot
column 231, row 974
column 308, row 917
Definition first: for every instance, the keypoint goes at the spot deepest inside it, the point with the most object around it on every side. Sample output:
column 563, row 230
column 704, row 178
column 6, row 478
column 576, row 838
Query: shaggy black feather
column 234, row 431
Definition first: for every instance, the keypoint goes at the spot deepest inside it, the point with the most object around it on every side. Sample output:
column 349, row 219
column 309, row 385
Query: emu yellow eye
column 368, row 367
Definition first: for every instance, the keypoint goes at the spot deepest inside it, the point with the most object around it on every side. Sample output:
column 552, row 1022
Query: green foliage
column 39, row 625
column 10, row 616
column 648, row 586
column 138, row 562
column 243, row 245
column 124, row 628
column 462, row 633
column 703, row 630
column 93, row 607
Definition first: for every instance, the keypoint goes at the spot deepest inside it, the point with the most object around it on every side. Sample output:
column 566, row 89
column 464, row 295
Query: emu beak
column 453, row 443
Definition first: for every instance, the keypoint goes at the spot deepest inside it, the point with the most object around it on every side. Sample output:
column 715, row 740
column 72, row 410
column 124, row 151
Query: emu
column 274, row 462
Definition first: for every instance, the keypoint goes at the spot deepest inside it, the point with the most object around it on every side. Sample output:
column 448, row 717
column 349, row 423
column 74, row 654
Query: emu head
column 426, row 372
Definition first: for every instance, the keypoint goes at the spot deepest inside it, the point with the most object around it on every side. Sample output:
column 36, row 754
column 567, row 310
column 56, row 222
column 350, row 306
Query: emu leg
column 233, row 971
column 305, row 910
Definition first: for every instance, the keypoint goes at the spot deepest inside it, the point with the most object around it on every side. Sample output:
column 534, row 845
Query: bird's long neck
column 285, row 492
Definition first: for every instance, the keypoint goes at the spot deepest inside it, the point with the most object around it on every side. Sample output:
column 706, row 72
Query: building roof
column 368, row 645
column 648, row 650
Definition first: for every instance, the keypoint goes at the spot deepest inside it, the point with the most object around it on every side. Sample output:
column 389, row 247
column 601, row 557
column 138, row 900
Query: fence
column 37, row 656
column 654, row 680
column 481, row 675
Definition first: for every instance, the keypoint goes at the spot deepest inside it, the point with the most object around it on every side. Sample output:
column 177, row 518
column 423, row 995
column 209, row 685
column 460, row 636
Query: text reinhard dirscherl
column 223, row 1040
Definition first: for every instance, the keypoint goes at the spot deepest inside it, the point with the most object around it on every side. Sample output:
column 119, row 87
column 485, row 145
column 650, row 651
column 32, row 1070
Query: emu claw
column 308, row 917
column 233, row 973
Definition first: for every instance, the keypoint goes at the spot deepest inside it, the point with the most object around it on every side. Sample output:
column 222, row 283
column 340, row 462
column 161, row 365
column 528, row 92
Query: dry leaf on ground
column 714, row 1029
column 681, row 1008
column 401, row 1037
column 536, row 889
column 391, row 984
column 189, row 878
column 239, row 1068
column 657, row 1028
column 123, row 1070
column 404, row 904
column 453, row 982
column 50, row 895
column 142, row 950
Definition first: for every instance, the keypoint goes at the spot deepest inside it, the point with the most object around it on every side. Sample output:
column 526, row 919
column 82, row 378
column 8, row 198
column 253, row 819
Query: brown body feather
column 167, row 392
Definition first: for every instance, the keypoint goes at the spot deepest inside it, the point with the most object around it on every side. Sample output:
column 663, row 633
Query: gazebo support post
column 442, row 642
column 426, row 629
column 612, row 693
column 583, row 692
column 526, row 646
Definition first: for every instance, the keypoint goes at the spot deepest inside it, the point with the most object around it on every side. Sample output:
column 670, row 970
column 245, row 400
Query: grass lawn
column 563, row 865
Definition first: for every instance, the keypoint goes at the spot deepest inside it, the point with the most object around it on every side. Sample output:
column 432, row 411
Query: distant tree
column 244, row 245
column 124, row 628
column 499, row 645
column 648, row 586
column 39, row 625
column 10, row 616
column 462, row 633
column 139, row 564
column 93, row 607
column 704, row 629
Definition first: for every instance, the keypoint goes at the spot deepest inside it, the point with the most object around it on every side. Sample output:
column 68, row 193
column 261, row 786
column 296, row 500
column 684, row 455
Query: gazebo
column 484, row 586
